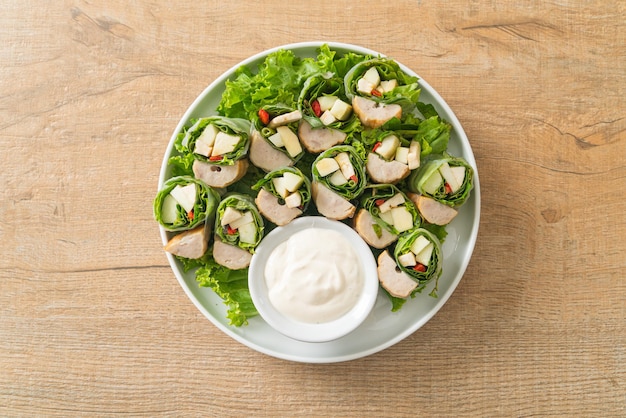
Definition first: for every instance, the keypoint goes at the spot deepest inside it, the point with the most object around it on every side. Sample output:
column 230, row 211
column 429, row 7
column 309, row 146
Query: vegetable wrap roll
column 383, row 81
column 341, row 170
column 380, row 90
column 446, row 179
column 328, row 119
column 238, row 222
column 284, row 194
column 216, row 140
column 390, row 208
column 418, row 254
column 278, row 126
column 184, row 203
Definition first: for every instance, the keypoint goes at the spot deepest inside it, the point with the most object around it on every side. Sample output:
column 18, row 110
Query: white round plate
column 382, row 328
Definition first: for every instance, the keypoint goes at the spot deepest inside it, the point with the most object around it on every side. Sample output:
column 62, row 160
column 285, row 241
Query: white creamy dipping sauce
column 314, row 276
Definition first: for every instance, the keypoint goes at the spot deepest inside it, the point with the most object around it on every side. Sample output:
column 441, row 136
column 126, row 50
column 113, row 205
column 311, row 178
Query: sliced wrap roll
column 284, row 194
column 446, row 179
column 202, row 140
column 390, row 208
column 272, row 123
column 184, row 203
column 238, row 222
column 352, row 183
column 319, row 94
column 394, row 86
column 418, row 254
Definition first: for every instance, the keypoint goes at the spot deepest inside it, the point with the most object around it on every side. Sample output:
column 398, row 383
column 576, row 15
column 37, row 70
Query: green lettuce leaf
column 232, row 287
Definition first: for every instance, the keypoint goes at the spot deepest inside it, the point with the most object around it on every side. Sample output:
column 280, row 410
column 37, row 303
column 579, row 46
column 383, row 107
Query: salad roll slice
column 389, row 210
column 327, row 116
column 338, row 177
column 238, row 223
column 418, row 254
column 277, row 125
column 216, row 140
column 184, row 203
column 392, row 157
column 380, row 90
column 284, row 194
column 446, row 179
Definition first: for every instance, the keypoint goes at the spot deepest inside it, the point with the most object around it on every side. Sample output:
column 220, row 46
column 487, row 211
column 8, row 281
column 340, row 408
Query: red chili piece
column 230, row 231
column 378, row 144
column 354, row 178
column 190, row 215
column 376, row 93
column 379, row 202
column 448, row 188
column 215, row 157
column 419, row 267
column 264, row 116
column 315, row 105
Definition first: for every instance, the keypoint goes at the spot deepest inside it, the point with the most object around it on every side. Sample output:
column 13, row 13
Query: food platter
column 383, row 328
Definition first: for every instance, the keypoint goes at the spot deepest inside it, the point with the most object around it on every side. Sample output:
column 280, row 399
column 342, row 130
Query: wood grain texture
column 93, row 322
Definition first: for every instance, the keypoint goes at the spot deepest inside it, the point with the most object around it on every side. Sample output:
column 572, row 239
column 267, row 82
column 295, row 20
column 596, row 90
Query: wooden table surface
column 92, row 319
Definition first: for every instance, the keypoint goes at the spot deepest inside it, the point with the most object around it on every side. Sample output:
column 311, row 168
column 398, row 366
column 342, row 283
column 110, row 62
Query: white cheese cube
column 280, row 186
column 294, row 200
column 208, row 135
column 341, row 110
column 326, row 166
column 424, row 256
column 247, row 233
column 337, row 178
column 407, row 260
column 285, row 119
column 413, row 157
column 387, row 148
column 277, row 140
column 202, row 148
column 364, row 86
column 402, row 219
column 185, row 196
column 419, row 244
column 291, row 141
column 394, row 201
column 459, row 173
column 230, row 215
column 224, row 143
column 372, row 76
column 387, row 85
column 326, row 102
column 449, row 177
column 343, row 159
column 402, row 155
column 327, row 118
column 247, row 218
column 292, row 181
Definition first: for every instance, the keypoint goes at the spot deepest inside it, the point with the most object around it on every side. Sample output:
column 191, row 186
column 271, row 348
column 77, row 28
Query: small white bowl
column 311, row 332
